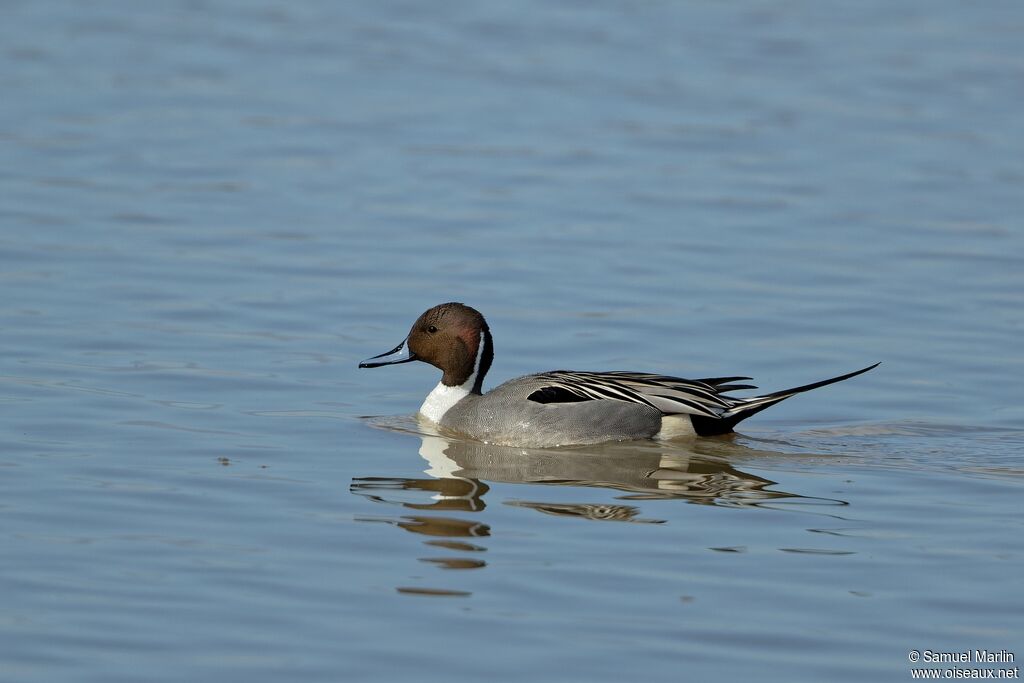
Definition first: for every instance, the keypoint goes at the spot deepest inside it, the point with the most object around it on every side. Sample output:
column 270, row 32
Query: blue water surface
column 211, row 211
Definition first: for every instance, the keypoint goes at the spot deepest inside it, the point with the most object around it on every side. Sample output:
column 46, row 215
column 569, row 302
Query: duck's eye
column 432, row 329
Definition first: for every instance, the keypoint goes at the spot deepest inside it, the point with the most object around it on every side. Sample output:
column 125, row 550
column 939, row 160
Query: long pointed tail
column 709, row 426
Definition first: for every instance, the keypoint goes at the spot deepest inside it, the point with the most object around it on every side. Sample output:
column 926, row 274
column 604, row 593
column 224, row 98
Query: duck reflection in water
column 457, row 470
column 698, row 474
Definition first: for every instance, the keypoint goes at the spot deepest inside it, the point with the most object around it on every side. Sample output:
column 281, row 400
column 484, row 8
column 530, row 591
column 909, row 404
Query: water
column 211, row 211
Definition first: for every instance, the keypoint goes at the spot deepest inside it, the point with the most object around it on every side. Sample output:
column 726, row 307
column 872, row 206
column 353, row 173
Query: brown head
column 453, row 338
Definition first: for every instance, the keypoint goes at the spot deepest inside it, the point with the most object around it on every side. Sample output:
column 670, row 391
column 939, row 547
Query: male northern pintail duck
column 562, row 407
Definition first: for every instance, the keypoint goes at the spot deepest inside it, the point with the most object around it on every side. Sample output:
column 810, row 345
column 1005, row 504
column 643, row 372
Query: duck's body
column 506, row 415
column 562, row 408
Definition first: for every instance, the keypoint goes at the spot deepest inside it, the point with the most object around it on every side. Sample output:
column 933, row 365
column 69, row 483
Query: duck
column 565, row 407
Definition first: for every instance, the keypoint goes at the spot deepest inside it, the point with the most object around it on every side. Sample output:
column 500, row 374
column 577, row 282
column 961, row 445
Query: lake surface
column 211, row 211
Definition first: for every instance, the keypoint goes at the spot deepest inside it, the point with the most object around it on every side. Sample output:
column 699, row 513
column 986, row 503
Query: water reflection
column 454, row 491
column 698, row 472
column 448, row 493
column 594, row 511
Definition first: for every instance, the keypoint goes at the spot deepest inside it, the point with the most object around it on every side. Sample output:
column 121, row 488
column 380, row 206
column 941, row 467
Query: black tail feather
column 722, row 388
column 723, row 384
column 711, row 426
column 720, row 380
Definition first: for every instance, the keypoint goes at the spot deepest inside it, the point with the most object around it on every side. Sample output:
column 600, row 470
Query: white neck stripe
column 476, row 364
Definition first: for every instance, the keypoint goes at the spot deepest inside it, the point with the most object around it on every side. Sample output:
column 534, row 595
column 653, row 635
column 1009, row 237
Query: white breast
column 442, row 398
